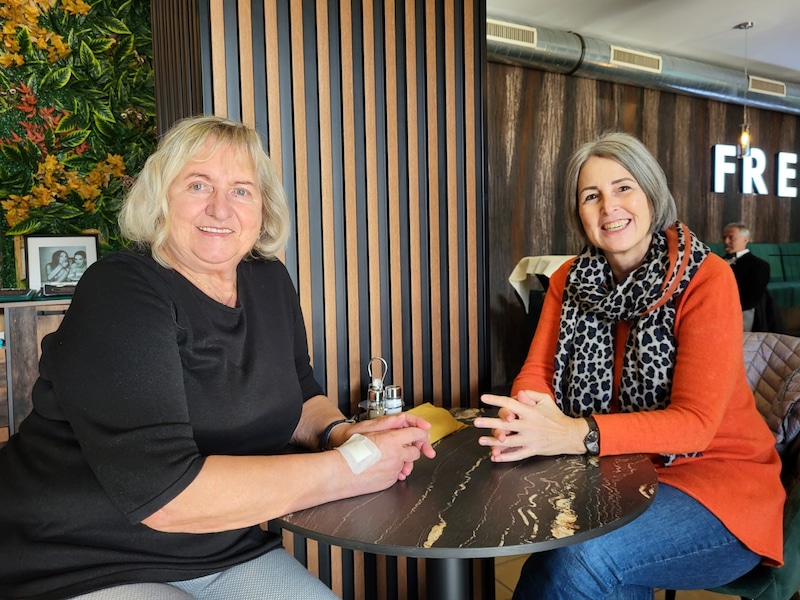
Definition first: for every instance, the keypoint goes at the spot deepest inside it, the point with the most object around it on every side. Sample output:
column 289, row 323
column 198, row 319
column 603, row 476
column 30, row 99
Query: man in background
column 752, row 274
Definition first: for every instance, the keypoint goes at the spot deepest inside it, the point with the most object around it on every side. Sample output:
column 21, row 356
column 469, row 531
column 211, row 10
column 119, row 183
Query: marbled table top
column 462, row 505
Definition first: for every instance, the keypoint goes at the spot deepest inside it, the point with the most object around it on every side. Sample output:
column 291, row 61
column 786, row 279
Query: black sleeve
column 116, row 376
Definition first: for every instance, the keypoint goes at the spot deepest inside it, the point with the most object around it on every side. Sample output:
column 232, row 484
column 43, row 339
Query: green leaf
column 89, row 60
column 122, row 91
column 49, row 138
column 57, row 78
column 112, row 25
column 24, row 40
column 68, row 123
column 122, row 8
column 105, row 128
column 101, row 45
column 74, row 138
column 59, row 210
column 29, row 225
column 124, row 48
column 19, row 184
column 11, row 153
column 103, row 112
column 78, row 162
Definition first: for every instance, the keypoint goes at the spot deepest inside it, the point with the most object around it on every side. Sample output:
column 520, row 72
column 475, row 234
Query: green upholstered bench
column 784, row 282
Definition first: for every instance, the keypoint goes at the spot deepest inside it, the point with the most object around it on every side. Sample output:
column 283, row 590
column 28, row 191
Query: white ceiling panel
column 701, row 30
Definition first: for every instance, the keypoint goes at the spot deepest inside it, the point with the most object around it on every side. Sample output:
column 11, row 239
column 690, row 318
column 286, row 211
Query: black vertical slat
column 464, row 295
column 178, row 55
column 232, row 67
column 204, row 18
column 314, row 185
column 287, row 140
column 370, row 576
column 362, row 228
column 412, row 577
column 339, row 241
column 381, row 138
column 348, row 578
column 481, row 193
column 260, row 91
column 324, row 561
column 444, row 191
column 421, row 152
column 402, row 333
column 391, row 576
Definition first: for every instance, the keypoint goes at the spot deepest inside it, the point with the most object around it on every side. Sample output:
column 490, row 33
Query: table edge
column 467, row 552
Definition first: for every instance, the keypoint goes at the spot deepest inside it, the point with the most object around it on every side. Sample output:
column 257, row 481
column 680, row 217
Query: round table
column 460, row 505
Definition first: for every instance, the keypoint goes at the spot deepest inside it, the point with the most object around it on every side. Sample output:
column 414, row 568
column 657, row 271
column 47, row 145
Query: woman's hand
column 371, row 428
column 530, row 425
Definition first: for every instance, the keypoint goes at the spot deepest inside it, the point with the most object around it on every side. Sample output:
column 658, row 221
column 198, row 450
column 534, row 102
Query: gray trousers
column 274, row 576
column 749, row 316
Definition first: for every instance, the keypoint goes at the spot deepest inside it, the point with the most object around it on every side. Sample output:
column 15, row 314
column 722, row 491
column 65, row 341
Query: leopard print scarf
column 592, row 303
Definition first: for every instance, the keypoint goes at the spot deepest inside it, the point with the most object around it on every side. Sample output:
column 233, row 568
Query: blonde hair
column 144, row 218
column 634, row 156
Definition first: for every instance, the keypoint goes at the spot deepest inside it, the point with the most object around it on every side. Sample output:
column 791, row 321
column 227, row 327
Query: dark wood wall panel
column 536, row 119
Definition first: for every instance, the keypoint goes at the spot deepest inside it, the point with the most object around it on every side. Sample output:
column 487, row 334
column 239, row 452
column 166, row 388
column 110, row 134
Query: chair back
column 772, row 363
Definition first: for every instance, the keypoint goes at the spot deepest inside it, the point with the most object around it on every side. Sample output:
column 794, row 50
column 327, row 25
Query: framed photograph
column 58, row 261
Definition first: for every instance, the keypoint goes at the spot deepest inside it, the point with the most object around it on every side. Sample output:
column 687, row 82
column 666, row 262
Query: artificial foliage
column 77, row 116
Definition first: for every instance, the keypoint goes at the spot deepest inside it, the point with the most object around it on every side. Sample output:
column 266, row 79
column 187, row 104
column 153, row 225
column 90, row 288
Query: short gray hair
column 632, row 154
column 144, row 218
column 742, row 227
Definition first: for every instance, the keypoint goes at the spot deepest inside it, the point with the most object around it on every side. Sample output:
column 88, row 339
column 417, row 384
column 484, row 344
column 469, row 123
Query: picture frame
column 58, row 261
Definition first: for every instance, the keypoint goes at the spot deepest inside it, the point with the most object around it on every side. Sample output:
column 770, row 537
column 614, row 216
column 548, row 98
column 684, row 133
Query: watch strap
column 325, row 438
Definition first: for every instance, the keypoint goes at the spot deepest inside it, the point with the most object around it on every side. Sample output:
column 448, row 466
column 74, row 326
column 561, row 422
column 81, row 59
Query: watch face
column 591, row 441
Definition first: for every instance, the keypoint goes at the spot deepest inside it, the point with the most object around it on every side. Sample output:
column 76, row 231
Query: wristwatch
column 592, row 439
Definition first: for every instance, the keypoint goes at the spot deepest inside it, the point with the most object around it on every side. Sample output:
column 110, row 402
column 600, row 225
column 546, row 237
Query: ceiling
column 701, row 30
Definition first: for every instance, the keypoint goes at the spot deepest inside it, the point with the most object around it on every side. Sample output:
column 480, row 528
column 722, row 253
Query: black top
column 145, row 376
column 752, row 276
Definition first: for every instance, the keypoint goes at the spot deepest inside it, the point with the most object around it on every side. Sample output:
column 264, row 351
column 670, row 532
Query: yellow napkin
column 442, row 422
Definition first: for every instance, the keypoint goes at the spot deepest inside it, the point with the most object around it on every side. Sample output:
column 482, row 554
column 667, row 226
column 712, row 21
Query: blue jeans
column 676, row 544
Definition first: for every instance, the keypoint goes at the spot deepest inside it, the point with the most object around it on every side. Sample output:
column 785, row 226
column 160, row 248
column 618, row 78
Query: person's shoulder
column 265, row 267
column 714, row 262
column 120, row 272
column 714, row 270
column 756, row 260
column 121, row 261
column 266, row 273
column 559, row 276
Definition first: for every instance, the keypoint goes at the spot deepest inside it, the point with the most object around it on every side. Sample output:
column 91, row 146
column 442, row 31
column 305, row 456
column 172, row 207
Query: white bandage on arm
column 360, row 453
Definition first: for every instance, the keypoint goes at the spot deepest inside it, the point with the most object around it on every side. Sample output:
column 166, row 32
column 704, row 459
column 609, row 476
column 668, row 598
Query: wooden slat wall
column 372, row 112
column 535, row 120
column 373, row 115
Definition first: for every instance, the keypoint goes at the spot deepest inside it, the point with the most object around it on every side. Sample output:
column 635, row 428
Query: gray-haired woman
column 639, row 350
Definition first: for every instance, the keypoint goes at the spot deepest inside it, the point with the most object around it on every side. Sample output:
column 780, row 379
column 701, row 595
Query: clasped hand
column 404, row 435
column 531, row 424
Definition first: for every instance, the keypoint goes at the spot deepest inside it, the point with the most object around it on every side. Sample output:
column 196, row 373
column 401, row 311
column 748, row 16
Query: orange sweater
column 711, row 410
